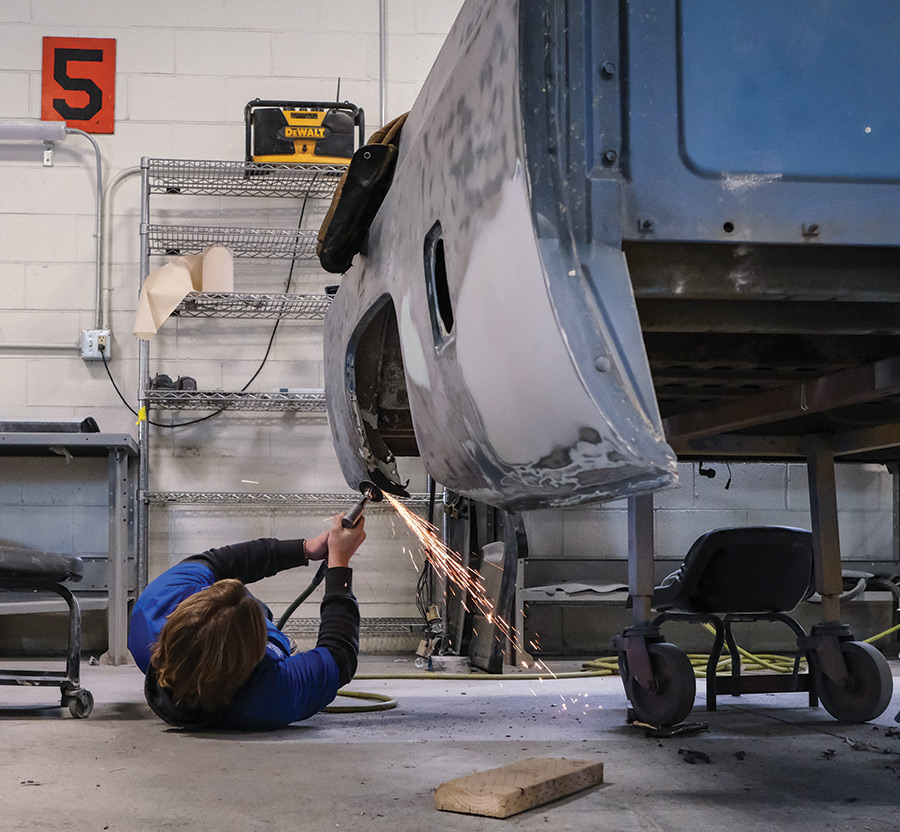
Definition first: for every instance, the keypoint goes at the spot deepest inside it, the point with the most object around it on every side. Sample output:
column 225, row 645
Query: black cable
column 317, row 579
column 424, row 588
column 287, row 288
column 149, row 421
column 244, row 388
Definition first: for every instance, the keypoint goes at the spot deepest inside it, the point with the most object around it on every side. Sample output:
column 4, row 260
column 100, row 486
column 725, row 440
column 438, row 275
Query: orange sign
column 79, row 83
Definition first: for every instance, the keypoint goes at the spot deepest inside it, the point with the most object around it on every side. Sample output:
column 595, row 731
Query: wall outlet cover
column 92, row 340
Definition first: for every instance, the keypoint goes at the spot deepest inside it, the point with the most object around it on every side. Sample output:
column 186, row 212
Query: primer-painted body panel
column 540, row 394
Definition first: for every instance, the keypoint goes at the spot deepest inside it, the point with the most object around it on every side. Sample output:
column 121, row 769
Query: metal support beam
column 640, row 556
column 750, row 447
column 741, row 316
column 744, row 447
column 847, row 387
column 120, row 489
column 866, row 440
column 824, row 518
column 894, row 468
column 631, row 645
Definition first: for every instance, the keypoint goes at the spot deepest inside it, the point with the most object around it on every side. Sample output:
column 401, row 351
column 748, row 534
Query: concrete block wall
column 184, row 73
column 759, row 494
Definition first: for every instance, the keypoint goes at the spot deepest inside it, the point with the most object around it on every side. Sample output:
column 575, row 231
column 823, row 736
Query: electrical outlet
column 93, row 342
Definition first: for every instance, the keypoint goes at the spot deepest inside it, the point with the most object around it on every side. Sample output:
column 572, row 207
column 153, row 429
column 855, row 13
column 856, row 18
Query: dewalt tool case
column 302, row 132
column 358, row 197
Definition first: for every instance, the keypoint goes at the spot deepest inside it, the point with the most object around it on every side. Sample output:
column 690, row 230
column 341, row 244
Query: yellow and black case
column 302, row 132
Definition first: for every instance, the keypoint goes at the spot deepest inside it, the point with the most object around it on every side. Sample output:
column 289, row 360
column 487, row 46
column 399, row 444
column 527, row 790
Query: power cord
column 381, row 702
column 262, row 364
column 149, row 421
column 710, row 473
column 287, row 288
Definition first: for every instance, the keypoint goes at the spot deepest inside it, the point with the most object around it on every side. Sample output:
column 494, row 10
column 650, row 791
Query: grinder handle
column 351, row 518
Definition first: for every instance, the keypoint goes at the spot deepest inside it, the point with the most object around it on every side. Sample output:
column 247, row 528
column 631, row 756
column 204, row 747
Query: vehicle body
column 608, row 212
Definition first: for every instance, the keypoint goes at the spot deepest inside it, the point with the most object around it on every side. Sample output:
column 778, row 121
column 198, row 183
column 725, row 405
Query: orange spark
column 449, row 565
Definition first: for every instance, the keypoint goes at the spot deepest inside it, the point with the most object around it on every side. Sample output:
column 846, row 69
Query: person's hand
column 343, row 543
column 316, row 548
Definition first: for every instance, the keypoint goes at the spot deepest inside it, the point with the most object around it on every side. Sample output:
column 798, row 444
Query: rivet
column 610, row 156
column 646, row 224
column 608, row 69
column 602, row 364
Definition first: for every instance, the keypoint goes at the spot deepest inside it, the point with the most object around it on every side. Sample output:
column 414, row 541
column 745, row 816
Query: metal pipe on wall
column 143, row 509
column 106, row 278
column 98, row 227
column 44, row 347
column 382, row 61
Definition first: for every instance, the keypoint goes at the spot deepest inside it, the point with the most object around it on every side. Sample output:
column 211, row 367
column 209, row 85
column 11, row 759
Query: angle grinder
column 370, row 492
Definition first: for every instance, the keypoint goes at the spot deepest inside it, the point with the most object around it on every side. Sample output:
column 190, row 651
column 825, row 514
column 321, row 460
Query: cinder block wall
column 184, row 73
column 759, row 494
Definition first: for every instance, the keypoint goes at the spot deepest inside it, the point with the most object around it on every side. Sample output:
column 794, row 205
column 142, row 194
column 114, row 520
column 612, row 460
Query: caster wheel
column 676, row 687
column 870, row 689
column 81, row 703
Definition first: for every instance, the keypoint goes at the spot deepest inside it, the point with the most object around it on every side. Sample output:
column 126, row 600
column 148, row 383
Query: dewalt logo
column 300, row 133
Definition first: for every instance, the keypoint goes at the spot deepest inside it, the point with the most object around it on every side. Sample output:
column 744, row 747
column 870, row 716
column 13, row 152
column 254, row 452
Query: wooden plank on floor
column 508, row 790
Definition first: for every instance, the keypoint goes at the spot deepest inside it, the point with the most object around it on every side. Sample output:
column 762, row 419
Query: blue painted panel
column 806, row 88
column 699, row 178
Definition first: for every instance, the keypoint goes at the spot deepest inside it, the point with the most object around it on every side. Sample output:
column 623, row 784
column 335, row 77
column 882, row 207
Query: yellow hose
column 491, row 677
column 604, row 666
column 749, row 661
column 882, row 635
column 382, row 703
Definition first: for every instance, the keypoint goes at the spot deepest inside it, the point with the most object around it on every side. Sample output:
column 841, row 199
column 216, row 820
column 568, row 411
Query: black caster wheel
column 675, row 687
column 870, row 688
column 80, row 703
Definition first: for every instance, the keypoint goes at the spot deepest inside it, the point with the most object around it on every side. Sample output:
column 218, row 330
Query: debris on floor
column 659, row 731
column 450, row 664
column 863, row 745
column 693, row 757
column 510, row 789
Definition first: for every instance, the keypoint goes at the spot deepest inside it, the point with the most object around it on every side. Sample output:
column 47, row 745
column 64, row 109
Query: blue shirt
column 282, row 688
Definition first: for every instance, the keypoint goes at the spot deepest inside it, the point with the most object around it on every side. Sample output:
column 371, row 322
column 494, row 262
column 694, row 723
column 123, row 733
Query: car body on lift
column 621, row 230
column 484, row 326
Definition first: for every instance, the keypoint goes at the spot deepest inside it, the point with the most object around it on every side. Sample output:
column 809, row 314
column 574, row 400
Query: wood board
column 510, row 789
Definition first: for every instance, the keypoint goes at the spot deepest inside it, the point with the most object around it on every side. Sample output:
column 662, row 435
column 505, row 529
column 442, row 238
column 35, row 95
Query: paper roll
column 218, row 270
column 163, row 290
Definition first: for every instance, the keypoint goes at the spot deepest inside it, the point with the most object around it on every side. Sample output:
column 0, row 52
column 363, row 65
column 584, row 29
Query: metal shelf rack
column 258, row 243
column 272, row 498
column 225, row 178
column 160, row 239
column 248, row 305
column 222, row 400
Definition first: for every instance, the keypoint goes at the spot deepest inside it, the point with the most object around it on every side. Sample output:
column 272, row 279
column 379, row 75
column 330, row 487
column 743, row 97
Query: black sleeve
column 339, row 627
column 255, row 559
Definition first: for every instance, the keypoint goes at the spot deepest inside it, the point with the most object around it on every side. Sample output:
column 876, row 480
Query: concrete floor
column 775, row 763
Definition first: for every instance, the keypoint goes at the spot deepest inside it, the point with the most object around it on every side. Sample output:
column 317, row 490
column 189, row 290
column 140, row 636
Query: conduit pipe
column 382, row 61
column 106, row 277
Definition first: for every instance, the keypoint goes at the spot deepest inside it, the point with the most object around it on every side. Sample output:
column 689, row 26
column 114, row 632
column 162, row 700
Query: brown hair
column 209, row 645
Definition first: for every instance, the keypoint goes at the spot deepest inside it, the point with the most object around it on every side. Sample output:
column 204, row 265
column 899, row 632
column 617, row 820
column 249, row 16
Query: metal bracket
column 633, row 643
column 825, row 641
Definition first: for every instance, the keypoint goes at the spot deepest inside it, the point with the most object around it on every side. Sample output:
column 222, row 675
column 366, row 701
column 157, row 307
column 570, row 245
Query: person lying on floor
column 213, row 657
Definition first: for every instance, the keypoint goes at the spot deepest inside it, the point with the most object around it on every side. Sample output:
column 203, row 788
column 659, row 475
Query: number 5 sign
column 79, row 83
